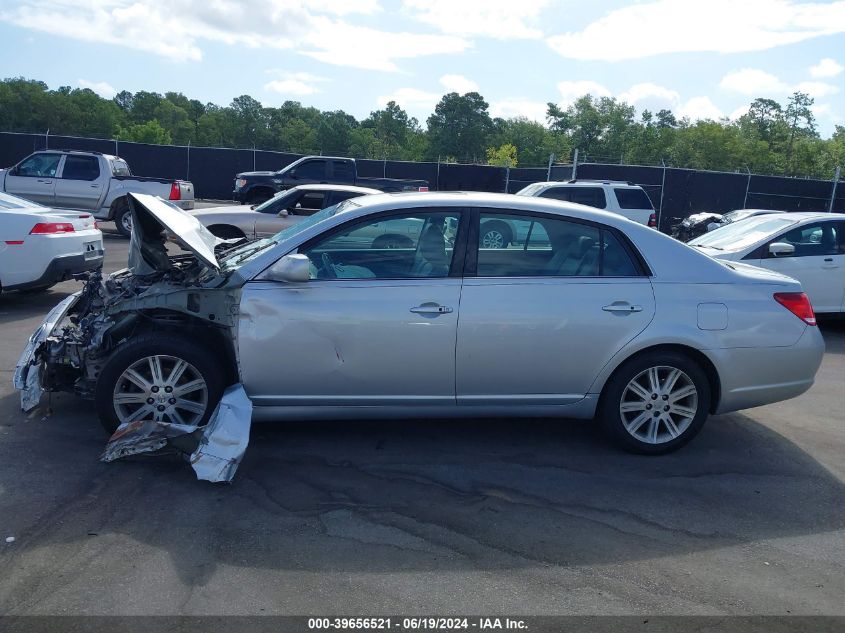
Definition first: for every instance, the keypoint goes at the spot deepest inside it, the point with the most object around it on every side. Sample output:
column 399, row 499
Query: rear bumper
column 60, row 269
column 754, row 376
column 185, row 205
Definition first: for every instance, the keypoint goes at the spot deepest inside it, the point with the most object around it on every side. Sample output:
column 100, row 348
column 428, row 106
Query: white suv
column 617, row 197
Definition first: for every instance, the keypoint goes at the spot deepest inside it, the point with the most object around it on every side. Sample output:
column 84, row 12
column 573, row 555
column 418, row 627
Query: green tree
column 502, row 156
column 149, row 132
column 459, row 126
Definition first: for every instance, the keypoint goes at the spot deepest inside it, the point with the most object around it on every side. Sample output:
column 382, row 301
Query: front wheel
column 158, row 377
column 123, row 219
column 655, row 403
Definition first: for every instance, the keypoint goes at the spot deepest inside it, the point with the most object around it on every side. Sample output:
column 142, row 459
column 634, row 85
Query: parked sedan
column 809, row 247
column 43, row 246
column 279, row 212
column 605, row 318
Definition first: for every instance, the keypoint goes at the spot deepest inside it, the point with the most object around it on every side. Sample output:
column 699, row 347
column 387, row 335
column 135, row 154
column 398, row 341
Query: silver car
column 589, row 315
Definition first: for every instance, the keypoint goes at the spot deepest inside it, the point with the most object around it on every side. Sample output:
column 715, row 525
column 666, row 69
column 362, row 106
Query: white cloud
column 650, row 96
column 178, row 29
column 816, row 89
column 758, row 83
column 700, row 108
column 678, row 26
column 572, row 90
column 300, row 84
column 500, row 19
column 752, row 81
column 419, row 103
column 510, row 108
column 100, row 87
column 458, row 83
column 740, row 111
column 826, row 67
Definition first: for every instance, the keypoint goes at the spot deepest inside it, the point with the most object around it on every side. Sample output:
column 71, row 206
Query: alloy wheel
column 659, row 404
column 493, row 239
column 161, row 388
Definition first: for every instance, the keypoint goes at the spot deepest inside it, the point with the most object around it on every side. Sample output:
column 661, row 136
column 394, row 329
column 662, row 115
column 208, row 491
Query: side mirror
column 283, row 213
column 290, row 268
column 779, row 249
column 292, row 173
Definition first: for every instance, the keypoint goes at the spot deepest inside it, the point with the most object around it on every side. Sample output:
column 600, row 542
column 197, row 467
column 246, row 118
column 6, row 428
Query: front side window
column 81, row 168
column 542, row 246
column 39, row 166
column 632, row 198
column 312, row 170
column 812, row 240
column 416, row 243
column 309, row 203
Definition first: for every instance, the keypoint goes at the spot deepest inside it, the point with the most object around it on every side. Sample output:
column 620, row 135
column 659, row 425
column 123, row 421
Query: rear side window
column 632, row 199
column 343, row 170
column 541, row 246
column 81, row 168
column 589, row 196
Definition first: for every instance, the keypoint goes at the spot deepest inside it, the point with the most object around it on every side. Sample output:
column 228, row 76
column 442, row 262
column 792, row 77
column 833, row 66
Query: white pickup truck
column 88, row 181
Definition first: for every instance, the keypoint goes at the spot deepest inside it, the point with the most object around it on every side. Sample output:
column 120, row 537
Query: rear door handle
column 622, row 307
column 431, row 309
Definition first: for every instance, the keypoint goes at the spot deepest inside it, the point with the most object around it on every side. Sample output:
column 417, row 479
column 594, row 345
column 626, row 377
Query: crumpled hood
column 152, row 218
column 695, row 218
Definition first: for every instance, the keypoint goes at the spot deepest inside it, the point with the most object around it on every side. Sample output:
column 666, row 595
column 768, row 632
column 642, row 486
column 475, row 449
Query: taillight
column 652, row 220
column 49, row 228
column 798, row 304
column 175, row 193
column 423, row 188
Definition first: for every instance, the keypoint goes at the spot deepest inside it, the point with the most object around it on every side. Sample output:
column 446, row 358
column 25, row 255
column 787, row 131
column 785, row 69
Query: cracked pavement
column 531, row 517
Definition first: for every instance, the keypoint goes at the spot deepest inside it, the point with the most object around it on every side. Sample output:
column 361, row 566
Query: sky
column 700, row 58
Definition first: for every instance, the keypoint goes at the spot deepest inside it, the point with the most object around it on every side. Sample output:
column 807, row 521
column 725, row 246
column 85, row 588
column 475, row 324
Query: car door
column 540, row 318
column 267, row 218
column 818, row 262
column 373, row 326
column 80, row 183
column 34, row 178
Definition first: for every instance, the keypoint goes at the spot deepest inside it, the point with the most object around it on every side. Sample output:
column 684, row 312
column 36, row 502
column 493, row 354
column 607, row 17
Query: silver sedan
column 584, row 315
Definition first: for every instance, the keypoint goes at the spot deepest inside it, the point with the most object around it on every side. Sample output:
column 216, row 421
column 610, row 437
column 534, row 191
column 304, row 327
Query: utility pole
column 833, row 193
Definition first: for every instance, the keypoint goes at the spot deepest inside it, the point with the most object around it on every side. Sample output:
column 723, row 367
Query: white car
column 809, row 247
column 41, row 246
column 622, row 198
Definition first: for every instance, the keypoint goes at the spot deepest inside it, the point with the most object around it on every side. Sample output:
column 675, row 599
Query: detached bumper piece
column 214, row 451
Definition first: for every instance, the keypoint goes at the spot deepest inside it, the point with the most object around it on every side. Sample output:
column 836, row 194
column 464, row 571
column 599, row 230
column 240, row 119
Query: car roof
column 321, row 187
column 579, row 182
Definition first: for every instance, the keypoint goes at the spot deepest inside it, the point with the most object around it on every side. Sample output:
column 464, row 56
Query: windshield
column 739, row 235
column 13, row 202
column 244, row 253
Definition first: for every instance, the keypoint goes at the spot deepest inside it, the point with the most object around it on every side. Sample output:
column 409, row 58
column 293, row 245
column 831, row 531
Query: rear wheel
column 655, row 403
column 495, row 235
column 123, row 218
column 392, row 241
column 158, row 377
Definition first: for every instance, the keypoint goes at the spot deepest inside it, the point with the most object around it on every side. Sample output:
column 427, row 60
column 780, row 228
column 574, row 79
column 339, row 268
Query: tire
column 168, row 350
column 123, row 218
column 227, row 232
column 495, row 235
column 392, row 241
column 635, row 429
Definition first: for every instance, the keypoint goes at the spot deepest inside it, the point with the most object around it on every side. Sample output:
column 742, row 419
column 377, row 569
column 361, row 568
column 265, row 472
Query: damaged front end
column 158, row 291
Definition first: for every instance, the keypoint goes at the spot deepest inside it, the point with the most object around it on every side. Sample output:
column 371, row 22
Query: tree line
column 771, row 138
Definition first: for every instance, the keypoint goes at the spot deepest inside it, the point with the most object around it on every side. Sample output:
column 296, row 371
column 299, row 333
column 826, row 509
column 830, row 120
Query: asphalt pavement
column 525, row 517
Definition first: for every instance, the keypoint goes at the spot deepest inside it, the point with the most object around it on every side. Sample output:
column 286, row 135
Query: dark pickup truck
column 255, row 187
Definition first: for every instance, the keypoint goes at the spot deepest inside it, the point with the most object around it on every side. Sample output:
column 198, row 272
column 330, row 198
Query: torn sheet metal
column 224, row 441
column 32, row 390
column 143, row 436
column 214, row 451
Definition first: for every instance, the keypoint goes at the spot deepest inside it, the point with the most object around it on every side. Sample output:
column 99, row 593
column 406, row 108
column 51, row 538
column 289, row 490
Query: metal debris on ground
column 214, row 451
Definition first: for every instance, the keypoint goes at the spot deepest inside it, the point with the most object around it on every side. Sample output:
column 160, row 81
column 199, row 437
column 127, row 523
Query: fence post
column 47, row 139
column 116, row 153
column 437, row 185
column 662, row 191
column 575, row 165
column 747, row 187
column 507, row 177
column 253, row 157
column 549, row 169
column 833, row 193
column 188, row 170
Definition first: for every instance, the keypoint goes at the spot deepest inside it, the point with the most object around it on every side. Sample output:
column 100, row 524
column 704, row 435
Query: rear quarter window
column 632, row 199
column 588, row 196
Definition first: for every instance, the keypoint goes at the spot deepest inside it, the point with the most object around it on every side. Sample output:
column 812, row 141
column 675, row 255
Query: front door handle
column 431, row 308
column 46, row 182
column 622, row 307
